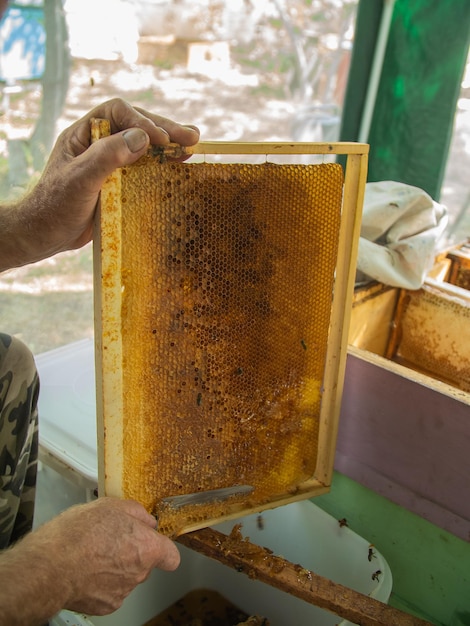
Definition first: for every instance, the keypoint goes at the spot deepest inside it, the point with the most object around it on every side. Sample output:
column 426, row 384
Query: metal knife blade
column 205, row 497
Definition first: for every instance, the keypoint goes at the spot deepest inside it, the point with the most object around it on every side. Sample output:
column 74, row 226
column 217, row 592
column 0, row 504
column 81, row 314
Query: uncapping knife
column 205, row 497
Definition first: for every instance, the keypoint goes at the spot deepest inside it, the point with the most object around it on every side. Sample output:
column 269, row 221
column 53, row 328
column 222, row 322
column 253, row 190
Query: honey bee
column 342, row 522
column 371, row 553
column 260, row 522
column 376, row 575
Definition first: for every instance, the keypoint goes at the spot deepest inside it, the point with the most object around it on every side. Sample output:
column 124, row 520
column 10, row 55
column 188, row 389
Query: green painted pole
column 417, row 96
column 414, row 110
column 368, row 19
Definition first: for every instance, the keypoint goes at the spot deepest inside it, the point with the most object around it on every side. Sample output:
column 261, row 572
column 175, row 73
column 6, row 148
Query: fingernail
column 135, row 138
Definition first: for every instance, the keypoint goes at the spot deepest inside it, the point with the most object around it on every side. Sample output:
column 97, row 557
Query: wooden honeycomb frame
column 112, row 316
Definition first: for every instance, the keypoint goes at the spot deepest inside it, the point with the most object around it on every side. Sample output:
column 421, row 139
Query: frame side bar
column 354, row 188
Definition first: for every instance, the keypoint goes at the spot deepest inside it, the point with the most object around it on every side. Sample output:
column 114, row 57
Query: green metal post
column 418, row 90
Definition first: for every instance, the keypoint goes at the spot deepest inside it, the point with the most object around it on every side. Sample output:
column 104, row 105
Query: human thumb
column 110, row 153
column 136, row 139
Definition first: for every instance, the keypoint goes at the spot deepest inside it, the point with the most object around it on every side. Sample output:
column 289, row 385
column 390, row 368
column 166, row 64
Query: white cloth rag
column 401, row 226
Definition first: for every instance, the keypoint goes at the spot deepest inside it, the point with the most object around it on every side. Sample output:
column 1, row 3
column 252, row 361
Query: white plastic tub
column 300, row 532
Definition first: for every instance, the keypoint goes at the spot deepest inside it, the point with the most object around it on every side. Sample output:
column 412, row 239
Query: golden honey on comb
column 227, row 283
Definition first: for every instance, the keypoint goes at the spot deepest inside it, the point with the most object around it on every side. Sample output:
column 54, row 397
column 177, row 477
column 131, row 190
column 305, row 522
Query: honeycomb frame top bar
column 278, row 147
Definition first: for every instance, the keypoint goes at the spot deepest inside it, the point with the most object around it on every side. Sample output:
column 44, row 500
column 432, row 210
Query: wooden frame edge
column 353, row 199
column 108, row 353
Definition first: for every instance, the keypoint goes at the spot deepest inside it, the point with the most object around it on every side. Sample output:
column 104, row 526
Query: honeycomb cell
column 228, row 273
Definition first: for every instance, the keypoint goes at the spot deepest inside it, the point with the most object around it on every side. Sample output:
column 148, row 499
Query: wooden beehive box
column 426, row 330
column 222, row 300
column 405, row 419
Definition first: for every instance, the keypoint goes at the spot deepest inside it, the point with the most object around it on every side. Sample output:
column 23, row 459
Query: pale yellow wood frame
column 107, row 271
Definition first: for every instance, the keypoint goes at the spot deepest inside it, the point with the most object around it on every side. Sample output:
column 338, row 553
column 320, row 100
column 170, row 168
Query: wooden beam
column 260, row 564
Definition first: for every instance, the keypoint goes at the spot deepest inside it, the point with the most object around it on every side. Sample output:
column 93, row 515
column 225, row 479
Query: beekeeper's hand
column 58, row 213
column 88, row 559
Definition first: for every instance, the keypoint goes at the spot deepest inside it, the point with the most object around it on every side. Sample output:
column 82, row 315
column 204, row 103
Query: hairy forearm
column 11, row 248
column 32, row 588
column 22, row 233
